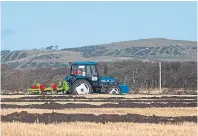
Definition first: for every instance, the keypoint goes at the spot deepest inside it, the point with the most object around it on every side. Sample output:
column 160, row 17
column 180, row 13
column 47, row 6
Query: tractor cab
column 84, row 75
column 85, row 69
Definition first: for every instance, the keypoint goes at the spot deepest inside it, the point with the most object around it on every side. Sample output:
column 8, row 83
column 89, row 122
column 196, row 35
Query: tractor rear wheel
column 113, row 90
column 81, row 87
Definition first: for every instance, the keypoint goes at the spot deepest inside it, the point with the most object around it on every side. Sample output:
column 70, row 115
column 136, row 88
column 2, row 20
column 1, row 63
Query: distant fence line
column 145, row 75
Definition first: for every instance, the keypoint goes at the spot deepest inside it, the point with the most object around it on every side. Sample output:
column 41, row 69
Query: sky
column 29, row 25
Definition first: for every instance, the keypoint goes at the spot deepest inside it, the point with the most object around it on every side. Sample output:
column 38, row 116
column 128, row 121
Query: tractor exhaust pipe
column 105, row 69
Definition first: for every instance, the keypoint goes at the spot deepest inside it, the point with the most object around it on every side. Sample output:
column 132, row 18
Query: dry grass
column 12, row 96
column 170, row 112
column 98, row 129
column 22, row 103
column 77, row 102
column 98, row 96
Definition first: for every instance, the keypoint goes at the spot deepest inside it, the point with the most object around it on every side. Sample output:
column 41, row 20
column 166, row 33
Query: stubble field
column 98, row 115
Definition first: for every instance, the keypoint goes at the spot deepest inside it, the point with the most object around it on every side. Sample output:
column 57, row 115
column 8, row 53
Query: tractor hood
column 107, row 79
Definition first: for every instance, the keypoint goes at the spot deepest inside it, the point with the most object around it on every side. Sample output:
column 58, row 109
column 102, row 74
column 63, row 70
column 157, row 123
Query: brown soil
column 58, row 118
column 53, row 105
column 166, row 101
column 70, row 98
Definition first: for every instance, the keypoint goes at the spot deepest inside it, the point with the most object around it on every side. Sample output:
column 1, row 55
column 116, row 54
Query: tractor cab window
column 73, row 69
column 91, row 70
column 78, row 70
column 88, row 70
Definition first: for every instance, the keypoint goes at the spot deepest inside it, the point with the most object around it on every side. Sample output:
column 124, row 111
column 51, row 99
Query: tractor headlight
column 94, row 78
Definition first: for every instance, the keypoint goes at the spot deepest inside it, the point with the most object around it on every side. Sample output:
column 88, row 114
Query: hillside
column 157, row 48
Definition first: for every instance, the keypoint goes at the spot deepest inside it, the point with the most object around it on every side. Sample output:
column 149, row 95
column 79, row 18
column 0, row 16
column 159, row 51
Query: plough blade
column 34, row 91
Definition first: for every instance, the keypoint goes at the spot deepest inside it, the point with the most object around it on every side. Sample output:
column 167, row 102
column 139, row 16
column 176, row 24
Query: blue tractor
column 84, row 79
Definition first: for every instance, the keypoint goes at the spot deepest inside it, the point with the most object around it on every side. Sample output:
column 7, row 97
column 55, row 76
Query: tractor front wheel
column 81, row 87
column 113, row 90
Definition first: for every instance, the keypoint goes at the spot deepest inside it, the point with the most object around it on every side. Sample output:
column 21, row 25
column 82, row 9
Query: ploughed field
column 98, row 114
